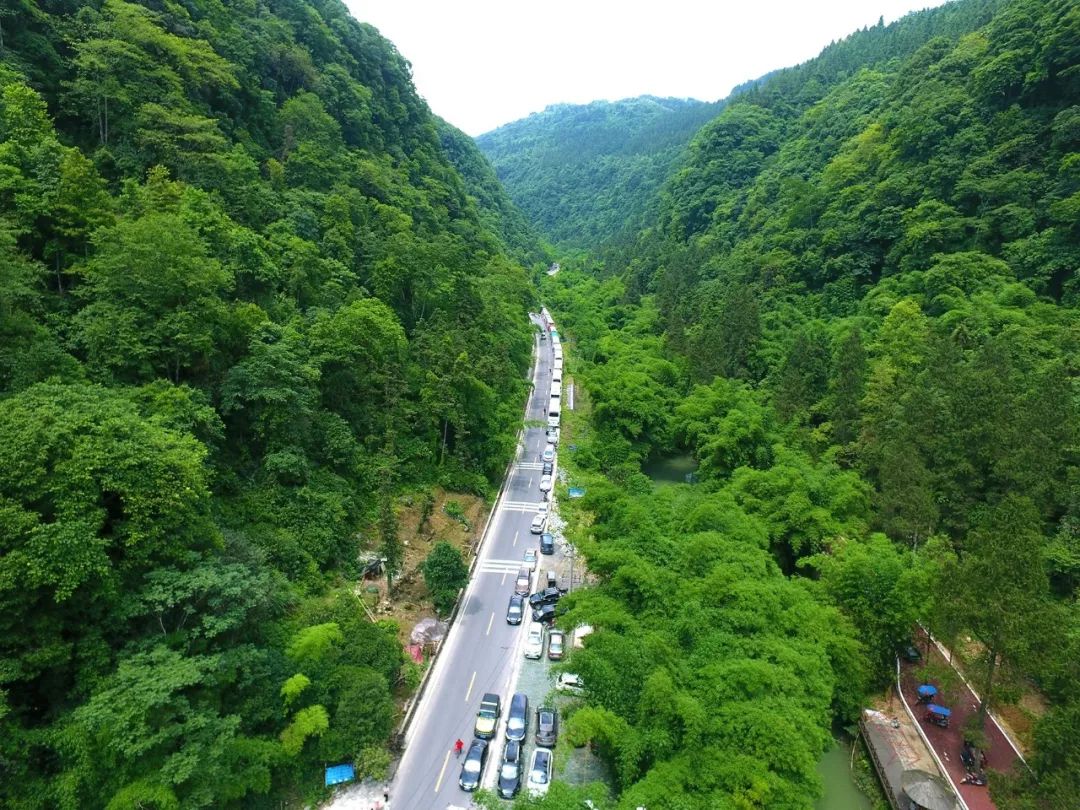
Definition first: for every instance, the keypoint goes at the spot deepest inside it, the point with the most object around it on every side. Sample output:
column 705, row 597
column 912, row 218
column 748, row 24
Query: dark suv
column 517, row 719
column 547, row 543
column 510, row 771
column 548, row 596
column 547, row 727
column 545, row 614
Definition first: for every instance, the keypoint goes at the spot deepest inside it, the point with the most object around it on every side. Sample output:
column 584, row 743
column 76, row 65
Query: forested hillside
column 245, row 299
column 497, row 211
column 856, row 307
column 586, row 173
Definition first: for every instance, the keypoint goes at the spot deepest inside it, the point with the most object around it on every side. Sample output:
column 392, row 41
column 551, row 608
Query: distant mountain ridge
column 583, row 173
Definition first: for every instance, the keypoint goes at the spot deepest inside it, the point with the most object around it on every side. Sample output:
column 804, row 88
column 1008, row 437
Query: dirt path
column 948, row 742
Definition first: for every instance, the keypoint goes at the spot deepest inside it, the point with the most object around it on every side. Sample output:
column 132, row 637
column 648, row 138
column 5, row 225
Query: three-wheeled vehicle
column 938, row 715
column 927, row 692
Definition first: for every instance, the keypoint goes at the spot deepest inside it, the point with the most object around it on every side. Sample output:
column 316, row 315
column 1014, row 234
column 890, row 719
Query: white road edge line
column 472, row 680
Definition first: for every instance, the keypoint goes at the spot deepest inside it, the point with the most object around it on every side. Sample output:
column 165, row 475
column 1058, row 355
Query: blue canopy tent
column 337, row 774
column 927, row 692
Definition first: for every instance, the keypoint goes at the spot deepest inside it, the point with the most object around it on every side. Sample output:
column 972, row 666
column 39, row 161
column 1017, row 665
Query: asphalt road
column 482, row 653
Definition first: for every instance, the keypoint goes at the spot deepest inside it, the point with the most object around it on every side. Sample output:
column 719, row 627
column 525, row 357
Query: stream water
column 840, row 790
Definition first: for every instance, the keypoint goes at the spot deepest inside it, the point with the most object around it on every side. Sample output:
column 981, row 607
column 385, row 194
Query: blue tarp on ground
column 933, row 708
column 337, row 774
column 577, row 492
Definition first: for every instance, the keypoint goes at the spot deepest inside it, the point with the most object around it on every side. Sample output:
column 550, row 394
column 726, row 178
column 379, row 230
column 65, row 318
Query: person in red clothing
column 458, row 747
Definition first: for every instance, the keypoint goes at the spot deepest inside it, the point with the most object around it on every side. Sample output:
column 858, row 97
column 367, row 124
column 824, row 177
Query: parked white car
column 545, row 483
column 539, row 523
column 549, row 453
column 569, row 682
column 534, row 642
column 529, row 559
column 540, row 772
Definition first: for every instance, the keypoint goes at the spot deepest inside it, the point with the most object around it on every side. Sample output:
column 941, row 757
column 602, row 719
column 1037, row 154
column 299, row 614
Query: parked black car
column 544, row 613
column 516, row 609
column 510, row 770
column 472, row 769
column 548, row 596
column 547, row 727
column 547, row 543
column 549, row 468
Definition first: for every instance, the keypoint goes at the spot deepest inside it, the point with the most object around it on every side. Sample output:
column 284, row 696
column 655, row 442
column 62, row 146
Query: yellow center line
column 468, row 692
column 442, row 772
column 488, row 633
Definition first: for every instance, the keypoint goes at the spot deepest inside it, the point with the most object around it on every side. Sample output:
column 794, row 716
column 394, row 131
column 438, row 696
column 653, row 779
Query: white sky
column 484, row 63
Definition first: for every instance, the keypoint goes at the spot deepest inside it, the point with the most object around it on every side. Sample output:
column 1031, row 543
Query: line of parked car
column 538, row 777
column 542, row 607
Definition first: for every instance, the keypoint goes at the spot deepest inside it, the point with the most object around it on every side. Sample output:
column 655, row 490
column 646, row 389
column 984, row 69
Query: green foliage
column 308, row 722
column 584, row 174
column 703, row 654
column 445, row 573
column 313, row 643
column 245, row 296
column 880, row 589
column 864, row 277
column 294, row 687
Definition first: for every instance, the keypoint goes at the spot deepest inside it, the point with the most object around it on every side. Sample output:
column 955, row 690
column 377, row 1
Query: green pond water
column 840, row 790
column 670, row 469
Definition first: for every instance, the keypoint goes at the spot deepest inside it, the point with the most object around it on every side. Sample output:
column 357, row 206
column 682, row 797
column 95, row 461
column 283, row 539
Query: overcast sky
column 484, row 63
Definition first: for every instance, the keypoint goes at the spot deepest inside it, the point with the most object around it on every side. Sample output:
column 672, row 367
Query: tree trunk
column 988, row 685
column 445, row 430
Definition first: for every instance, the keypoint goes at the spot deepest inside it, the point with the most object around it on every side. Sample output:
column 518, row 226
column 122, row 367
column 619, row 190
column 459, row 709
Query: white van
column 556, row 390
column 556, row 376
column 554, row 409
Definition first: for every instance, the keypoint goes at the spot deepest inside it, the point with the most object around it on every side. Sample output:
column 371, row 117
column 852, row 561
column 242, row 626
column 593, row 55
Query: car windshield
column 539, row 776
column 515, row 608
column 487, row 714
column 515, row 723
column 472, row 765
column 509, row 771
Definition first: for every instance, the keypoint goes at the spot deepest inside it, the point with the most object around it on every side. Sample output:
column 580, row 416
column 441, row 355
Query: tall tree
column 998, row 588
